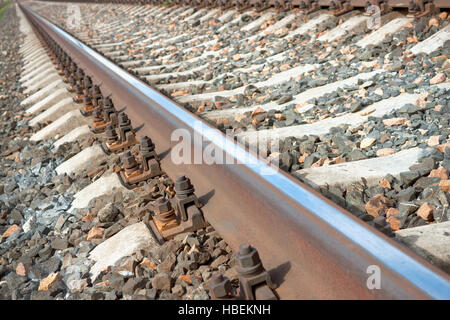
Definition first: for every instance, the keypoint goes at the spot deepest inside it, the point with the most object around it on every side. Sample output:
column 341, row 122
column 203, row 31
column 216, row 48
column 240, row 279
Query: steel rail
column 312, row 248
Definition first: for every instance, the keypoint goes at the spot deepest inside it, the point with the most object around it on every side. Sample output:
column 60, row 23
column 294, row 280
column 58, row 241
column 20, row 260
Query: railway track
column 316, row 133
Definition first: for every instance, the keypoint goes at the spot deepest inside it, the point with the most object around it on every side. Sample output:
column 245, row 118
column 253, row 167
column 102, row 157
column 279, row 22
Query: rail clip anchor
column 184, row 216
column 306, row 6
column 126, row 138
column 92, row 101
column 421, row 8
column 103, row 116
column 259, row 5
column 255, row 281
column 148, row 167
column 339, row 7
column 382, row 4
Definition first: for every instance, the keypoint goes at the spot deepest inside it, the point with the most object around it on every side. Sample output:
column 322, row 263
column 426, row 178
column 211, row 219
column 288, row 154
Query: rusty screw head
column 247, row 256
column 87, row 81
column 183, row 183
column 67, row 61
column 78, row 90
column 220, row 286
column 129, row 161
column 86, row 99
column 95, row 91
column 97, row 114
column 111, row 134
column 80, row 74
column 123, row 119
column 107, row 103
column 146, row 144
column 162, row 205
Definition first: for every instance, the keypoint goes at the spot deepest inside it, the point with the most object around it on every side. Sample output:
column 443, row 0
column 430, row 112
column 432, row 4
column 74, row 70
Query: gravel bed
column 424, row 125
column 45, row 250
column 418, row 197
column 402, row 75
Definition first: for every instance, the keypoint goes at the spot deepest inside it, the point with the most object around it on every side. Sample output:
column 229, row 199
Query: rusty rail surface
column 312, row 248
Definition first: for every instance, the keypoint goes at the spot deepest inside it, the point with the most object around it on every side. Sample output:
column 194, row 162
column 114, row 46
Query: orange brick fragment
column 394, row 221
column 384, row 183
column 433, row 22
column 385, row 152
column 439, row 173
column 394, row 121
column 88, row 217
column 442, row 147
column 21, row 270
column 426, row 212
column 95, row 233
column 186, row 278
column 392, row 212
column 302, row 158
column 445, row 185
column 148, row 264
column 377, row 204
column 10, row 231
column 433, row 141
column 50, row 281
column 439, row 78
column 258, row 111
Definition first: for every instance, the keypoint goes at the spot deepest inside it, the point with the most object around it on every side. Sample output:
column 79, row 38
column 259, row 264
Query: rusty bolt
column 220, row 286
column 79, row 74
column 183, row 184
column 107, row 103
column 129, row 161
column 111, row 134
column 247, row 256
column 97, row 116
column 87, row 81
column 67, row 61
column 95, row 91
column 146, row 144
column 123, row 119
column 78, row 90
column 162, row 205
column 86, row 99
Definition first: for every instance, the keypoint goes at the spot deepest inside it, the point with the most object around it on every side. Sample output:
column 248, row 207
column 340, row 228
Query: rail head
column 312, row 248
